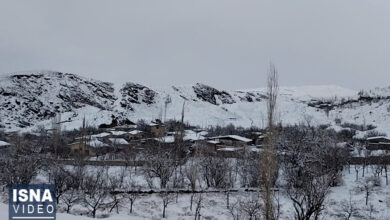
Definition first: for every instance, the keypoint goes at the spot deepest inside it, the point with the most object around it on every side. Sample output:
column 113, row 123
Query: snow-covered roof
column 3, row 143
column 213, row 142
column 104, row 134
column 118, row 132
column 230, row 148
column 203, row 133
column 118, row 141
column 135, row 132
column 189, row 135
column 378, row 137
column 96, row 143
column 193, row 136
column 235, row 137
column 166, row 139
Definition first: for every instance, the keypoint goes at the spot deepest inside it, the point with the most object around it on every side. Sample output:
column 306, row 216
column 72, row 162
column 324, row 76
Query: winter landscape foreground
column 341, row 202
column 196, row 152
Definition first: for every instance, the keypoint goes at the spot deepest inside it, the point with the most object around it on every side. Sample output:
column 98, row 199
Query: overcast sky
column 224, row 43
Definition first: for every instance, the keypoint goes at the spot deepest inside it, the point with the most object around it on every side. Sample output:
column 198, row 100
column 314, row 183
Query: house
column 193, row 135
column 228, row 145
column 231, row 140
column 157, row 128
column 378, row 143
column 88, row 147
column 187, row 135
column 78, row 148
column 135, row 135
column 126, row 127
column 128, row 135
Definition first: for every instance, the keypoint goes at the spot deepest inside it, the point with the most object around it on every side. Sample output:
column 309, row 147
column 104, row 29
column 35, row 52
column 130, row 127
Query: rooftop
column 378, row 137
column 118, row 141
column 235, row 137
column 3, row 143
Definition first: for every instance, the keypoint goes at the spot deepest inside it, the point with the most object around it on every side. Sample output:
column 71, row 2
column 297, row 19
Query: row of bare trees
column 94, row 189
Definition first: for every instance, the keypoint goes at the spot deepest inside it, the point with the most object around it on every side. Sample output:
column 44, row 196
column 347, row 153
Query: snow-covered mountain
column 34, row 98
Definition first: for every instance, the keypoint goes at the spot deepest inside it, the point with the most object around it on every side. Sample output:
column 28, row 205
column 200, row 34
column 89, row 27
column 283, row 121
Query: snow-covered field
column 214, row 204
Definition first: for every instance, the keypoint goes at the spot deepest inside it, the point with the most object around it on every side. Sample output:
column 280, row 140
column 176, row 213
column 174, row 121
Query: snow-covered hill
column 34, row 98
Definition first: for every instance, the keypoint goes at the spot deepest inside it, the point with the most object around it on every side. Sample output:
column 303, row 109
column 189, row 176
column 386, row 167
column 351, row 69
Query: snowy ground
column 214, row 204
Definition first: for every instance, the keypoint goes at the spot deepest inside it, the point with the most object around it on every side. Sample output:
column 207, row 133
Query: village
column 172, row 159
column 112, row 143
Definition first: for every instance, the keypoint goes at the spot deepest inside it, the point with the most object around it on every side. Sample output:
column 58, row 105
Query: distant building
column 135, row 135
column 77, row 148
column 127, row 127
column 89, row 147
column 231, row 141
column 228, row 145
column 157, row 128
column 378, row 143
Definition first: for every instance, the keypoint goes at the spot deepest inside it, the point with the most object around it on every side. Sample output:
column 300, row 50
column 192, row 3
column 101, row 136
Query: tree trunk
column 227, row 198
column 357, row 175
column 164, row 211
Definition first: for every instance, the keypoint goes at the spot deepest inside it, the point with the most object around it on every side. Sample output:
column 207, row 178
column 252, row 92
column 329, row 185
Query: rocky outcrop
column 133, row 93
column 212, row 95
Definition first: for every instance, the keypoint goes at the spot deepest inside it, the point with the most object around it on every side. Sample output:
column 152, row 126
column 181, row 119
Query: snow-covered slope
column 31, row 99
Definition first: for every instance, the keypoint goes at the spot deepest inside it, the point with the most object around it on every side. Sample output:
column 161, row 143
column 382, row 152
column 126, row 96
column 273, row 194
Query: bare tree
column 167, row 198
column 312, row 164
column 268, row 158
column 249, row 169
column 61, row 178
column 114, row 183
column 78, row 173
column 69, row 198
column 56, row 133
column 19, row 170
column 214, row 171
column 251, row 207
column 368, row 185
column 348, row 208
column 131, row 196
column 235, row 211
column 95, row 192
column 160, row 164
column 230, row 180
column 20, row 164
column 198, row 202
column 357, row 172
column 192, row 172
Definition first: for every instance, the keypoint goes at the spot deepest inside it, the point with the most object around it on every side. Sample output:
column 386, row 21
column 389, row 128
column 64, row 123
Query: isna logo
column 32, row 202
